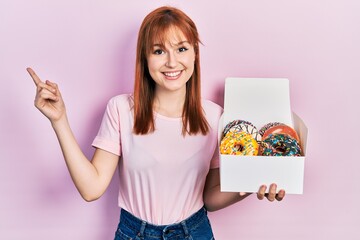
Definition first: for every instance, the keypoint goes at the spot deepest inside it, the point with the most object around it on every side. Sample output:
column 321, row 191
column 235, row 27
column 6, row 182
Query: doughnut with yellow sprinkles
column 239, row 143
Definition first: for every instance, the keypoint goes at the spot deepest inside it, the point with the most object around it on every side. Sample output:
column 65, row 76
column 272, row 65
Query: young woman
column 163, row 137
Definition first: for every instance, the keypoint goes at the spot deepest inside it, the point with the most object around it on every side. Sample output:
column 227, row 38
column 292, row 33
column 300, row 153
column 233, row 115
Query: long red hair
column 153, row 29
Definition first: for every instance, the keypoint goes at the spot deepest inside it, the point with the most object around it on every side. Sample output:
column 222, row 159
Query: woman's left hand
column 271, row 195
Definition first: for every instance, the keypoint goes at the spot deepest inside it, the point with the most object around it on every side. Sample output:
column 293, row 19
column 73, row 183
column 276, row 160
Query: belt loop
column 186, row 231
column 142, row 229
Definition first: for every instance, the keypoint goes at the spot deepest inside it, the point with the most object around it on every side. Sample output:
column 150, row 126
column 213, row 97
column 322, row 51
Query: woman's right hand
column 48, row 98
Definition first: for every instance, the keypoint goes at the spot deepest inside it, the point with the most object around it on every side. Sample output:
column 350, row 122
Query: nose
column 171, row 60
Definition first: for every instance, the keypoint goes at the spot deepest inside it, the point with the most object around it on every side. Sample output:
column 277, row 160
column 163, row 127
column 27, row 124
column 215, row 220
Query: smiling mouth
column 172, row 74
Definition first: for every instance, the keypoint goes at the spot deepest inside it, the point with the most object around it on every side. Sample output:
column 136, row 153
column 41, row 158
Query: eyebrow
column 182, row 42
column 177, row 44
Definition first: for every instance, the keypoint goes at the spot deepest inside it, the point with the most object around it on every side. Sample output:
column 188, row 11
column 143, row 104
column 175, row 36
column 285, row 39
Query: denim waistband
column 144, row 228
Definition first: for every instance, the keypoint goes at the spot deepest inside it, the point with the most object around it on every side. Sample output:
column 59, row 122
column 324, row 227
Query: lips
column 174, row 74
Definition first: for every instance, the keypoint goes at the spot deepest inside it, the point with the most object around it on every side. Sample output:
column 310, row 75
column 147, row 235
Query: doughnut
column 279, row 144
column 267, row 126
column 239, row 143
column 275, row 128
column 242, row 126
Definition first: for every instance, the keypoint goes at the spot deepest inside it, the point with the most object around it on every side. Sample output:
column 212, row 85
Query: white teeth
column 172, row 74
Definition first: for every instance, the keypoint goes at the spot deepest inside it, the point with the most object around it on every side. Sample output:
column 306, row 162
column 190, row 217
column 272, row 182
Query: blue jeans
column 196, row 227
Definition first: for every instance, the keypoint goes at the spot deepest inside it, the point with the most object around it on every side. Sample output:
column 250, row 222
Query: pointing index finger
column 33, row 75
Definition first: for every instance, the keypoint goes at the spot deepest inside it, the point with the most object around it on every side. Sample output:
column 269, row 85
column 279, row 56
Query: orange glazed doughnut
column 278, row 128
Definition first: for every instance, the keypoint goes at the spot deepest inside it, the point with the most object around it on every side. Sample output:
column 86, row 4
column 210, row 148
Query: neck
column 169, row 104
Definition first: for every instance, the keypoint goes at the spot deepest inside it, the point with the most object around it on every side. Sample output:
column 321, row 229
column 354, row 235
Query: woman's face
column 172, row 64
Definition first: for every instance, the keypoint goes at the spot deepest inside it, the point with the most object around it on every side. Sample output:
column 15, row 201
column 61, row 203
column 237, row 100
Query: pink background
column 88, row 47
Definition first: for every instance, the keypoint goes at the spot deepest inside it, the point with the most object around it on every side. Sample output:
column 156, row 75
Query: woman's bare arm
column 91, row 178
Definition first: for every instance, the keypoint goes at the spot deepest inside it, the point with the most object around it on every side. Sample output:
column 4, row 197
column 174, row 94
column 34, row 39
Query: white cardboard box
column 260, row 101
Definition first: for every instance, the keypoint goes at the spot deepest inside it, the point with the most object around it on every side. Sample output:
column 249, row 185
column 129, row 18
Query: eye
column 183, row 49
column 158, row 52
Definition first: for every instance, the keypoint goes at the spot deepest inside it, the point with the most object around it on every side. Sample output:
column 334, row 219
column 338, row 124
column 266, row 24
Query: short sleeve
column 215, row 162
column 214, row 113
column 108, row 137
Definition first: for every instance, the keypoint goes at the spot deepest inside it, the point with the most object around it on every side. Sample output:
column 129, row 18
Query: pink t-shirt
column 162, row 174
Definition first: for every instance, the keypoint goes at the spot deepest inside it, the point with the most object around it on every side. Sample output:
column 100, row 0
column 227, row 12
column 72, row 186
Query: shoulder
column 121, row 101
column 212, row 112
column 211, row 109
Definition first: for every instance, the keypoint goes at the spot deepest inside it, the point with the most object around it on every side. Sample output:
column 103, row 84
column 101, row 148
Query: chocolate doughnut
column 242, row 126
